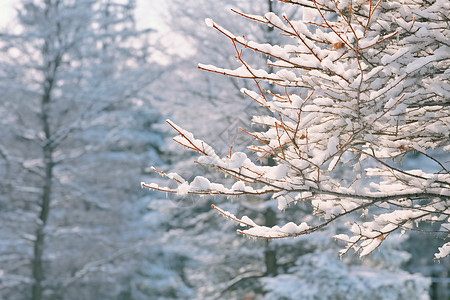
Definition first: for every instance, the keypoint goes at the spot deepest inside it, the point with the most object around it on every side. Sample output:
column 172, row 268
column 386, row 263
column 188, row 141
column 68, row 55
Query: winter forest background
column 86, row 87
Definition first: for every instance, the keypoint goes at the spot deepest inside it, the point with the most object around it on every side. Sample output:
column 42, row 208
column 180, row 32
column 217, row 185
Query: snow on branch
column 354, row 89
column 257, row 231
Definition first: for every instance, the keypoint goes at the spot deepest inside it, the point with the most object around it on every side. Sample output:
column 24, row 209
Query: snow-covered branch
column 351, row 97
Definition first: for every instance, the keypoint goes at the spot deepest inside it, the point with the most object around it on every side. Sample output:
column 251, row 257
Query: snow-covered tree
column 76, row 133
column 221, row 265
column 361, row 85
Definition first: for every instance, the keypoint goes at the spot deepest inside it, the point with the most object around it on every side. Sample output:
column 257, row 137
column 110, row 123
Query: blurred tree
column 77, row 129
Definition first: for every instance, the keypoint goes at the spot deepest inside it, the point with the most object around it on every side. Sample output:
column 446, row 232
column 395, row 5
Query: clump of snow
column 369, row 245
column 282, row 203
column 277, row 172
column 150, row 186
column 299, row 163
column 443, row 251
column 387, row 59
column 286, row 74
column 309, row 14
column 247, row 220
column 289, row 229
column 183, row 189
column 274, row 19
column 238, row 186
column 292, row 228
column 343, row 4
column 200, row 183
column 236, row 160
column 209, row 22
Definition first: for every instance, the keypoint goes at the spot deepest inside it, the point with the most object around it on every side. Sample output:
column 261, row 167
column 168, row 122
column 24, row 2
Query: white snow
column 289, row 229
column 309, row 14
column 183, row 189
column 440, row 53
column 209, row 22
column 387, row 59
column 236, row 160
column 274, row 19
column 369, row 245
column 200, row 183
column 238, row 186
column 247, row 220
column 443, row 251
column 282, row 202
column 277, row 172
column 286, row 74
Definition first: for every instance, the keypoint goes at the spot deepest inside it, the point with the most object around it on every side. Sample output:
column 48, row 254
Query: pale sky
column 6, row 11
column 147, row 13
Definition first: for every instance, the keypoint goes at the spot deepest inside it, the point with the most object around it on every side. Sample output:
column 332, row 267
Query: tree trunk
column 47, row 149
column 270, row 254
column 38, row 251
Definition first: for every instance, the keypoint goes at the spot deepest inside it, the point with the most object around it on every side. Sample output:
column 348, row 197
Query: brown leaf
column 337, row 45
